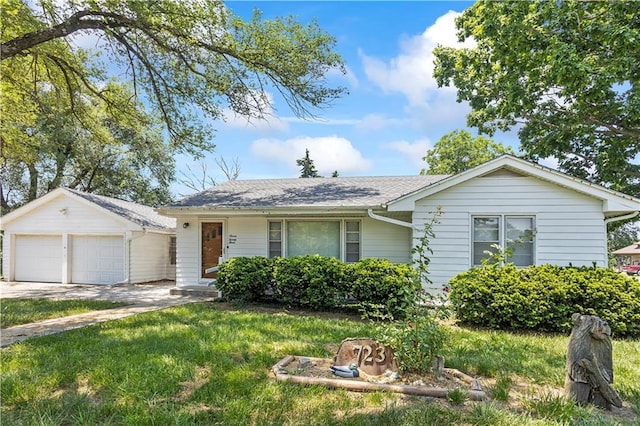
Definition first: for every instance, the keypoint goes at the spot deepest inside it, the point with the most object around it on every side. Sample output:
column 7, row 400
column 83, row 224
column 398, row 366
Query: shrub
column 245, row 279
column 311, row 281
column 416, row 341
column 382, row 288
column 544, row 297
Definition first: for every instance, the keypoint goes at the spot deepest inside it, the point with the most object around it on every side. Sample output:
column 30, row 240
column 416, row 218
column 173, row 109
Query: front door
column 211, row 247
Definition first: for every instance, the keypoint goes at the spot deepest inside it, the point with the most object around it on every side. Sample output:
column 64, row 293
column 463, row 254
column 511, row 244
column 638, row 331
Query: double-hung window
column 512, row 232
column 331, row 238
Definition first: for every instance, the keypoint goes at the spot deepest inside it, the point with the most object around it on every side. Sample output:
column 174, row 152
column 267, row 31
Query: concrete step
column 195, row 290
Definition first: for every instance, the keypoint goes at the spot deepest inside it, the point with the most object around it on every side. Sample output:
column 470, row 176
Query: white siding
column 569, row 226
column 188, row 252
column 246, row 236
column 150, row 258
column 386, row 241
column 66, row 215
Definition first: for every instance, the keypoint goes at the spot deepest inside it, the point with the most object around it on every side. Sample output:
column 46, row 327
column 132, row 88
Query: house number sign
column 371, row 357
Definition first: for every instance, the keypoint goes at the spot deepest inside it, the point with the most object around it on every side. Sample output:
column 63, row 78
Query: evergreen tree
column 307, row 168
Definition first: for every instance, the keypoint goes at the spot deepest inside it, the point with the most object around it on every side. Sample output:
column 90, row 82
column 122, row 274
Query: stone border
column 475, row 393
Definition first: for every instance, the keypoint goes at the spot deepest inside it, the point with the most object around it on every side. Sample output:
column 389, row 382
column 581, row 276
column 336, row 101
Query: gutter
column 372, row 215
column 618, row 218
column 611, row 220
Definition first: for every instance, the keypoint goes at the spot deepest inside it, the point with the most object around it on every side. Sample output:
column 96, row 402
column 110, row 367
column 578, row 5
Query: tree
column 564, row 72
column 183, row 56
column 458, row 151
column 201, row 180
column 187, row 61
column 308, row 169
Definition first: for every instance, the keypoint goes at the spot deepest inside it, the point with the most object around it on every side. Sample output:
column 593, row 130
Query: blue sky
column 393, row 113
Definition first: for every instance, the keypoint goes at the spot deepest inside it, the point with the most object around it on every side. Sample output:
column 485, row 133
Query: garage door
column 38, row 258
column 97, row 260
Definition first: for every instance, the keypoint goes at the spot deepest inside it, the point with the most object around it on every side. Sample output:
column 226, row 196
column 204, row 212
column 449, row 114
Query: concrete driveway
column 143, row 298
column 143, row 293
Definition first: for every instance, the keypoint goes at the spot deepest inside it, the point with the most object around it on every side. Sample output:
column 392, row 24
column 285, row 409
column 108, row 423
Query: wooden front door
column 211, row 247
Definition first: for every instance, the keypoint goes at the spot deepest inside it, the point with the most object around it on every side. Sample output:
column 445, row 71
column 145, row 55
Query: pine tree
column 308, row 170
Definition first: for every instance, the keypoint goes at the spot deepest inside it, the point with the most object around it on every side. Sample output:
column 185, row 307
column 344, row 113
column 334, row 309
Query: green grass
column 198, row 364
column 24, row 311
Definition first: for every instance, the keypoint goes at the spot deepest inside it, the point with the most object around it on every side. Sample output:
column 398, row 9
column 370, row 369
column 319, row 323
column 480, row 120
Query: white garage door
column 97, row 260
column 38, row 258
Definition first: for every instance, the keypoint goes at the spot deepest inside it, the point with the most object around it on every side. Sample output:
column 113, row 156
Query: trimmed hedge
column 246, row 279
column 387, row 288
column 317, row 282
column 311, row 281
column 544, row 297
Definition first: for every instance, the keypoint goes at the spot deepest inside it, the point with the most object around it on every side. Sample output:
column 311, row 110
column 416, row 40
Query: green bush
column 245, row 279
column 416, row 341
column 544, row 297
column 382, row 288
column 312, row 281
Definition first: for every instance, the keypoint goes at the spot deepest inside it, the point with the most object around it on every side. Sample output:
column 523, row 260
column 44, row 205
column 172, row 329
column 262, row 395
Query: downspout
column 372, row 215
column 611, row 220
column 127, row 279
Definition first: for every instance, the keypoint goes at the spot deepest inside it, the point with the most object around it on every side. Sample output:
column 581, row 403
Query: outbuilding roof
column 348, row 192
column 144, row 216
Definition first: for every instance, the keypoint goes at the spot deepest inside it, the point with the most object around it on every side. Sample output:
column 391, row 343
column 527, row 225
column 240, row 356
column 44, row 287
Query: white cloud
column 376, row 122
column 413, row 151
column 411, row 71
column 328, row 153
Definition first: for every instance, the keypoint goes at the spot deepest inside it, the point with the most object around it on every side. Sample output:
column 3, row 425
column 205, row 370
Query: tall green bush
column 383, row 289
column 311, row 281
column 543, row 297
column 245, row 279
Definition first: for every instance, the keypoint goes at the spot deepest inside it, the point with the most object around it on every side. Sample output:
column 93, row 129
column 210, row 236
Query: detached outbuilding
column 69, row 236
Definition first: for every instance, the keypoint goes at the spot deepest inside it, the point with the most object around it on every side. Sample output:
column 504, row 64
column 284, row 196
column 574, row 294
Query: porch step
column 195, row 290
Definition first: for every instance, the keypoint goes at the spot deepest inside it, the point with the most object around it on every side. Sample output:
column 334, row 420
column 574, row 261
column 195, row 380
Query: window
column 323, row 237
column 275, row 239
column 172, row 250
column 511, row 232
column 352, row 241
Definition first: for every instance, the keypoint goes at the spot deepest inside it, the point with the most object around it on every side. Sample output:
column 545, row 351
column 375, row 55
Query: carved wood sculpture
column 589, row 363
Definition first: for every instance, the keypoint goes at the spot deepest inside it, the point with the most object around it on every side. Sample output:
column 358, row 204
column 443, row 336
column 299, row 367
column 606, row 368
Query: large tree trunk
column 589, row 363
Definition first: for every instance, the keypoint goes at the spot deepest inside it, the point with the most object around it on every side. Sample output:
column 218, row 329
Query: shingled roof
column 348, row 192
column 142, row 215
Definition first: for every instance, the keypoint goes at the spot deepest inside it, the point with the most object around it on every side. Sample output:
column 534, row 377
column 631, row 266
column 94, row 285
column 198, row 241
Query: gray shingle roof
column 307, row 193
column 142, row 215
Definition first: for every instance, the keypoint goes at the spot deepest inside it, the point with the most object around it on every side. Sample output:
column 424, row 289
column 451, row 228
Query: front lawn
column 201, row 364
column 24, row 311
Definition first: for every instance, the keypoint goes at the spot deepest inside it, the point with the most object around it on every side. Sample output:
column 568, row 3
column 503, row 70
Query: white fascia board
column 132, row 225
column 30, row 206
column 612, row 200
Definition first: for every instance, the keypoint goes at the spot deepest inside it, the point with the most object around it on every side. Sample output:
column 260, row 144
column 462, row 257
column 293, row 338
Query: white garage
column 97, row 260
column 69, row 236
column 38, row 258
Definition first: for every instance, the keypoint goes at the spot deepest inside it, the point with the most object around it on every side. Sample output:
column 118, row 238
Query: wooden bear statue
column 589, row 363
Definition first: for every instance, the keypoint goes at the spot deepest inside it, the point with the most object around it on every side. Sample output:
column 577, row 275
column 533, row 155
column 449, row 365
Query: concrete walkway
column 143, row 298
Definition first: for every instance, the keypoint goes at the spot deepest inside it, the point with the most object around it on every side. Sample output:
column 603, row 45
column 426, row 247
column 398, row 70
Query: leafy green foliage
column 311, row 281
column 544, row 297
column 458, row 151
column 307, row 168
column 416, row 340
column 110, row 120
column 563, row 72
column 382, row 288
column 246, row 279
